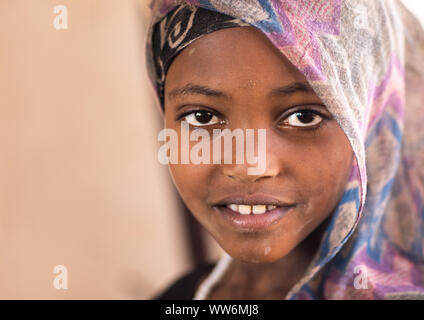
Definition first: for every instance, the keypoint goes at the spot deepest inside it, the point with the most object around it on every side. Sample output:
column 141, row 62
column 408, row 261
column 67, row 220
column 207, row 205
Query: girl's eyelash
column 301, row 109
column 186, row 113
column 308, row 110
column 325, row 118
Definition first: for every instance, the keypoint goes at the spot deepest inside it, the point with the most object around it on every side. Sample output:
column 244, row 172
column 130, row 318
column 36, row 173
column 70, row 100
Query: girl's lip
column 252, row 199
column 253, row 222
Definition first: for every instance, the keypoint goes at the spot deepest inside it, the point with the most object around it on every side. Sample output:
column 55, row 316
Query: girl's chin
column 259, row 256
column 250, row 247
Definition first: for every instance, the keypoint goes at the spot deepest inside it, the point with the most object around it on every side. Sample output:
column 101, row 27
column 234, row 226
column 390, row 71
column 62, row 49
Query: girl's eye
column 304, row 118
column 201, row 118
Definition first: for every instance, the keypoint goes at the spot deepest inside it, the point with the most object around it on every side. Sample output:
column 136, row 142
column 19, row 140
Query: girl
column 338, row 211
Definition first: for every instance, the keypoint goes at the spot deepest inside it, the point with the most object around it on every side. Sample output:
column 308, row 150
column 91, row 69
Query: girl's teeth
column 258, row 209
column 243, row 209
column 247, row 209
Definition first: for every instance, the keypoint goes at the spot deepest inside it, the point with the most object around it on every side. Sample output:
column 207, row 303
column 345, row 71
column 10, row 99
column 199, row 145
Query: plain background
column 80, row 184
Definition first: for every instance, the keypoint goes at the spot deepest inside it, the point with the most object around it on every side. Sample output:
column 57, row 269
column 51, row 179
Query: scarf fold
column 362, row 59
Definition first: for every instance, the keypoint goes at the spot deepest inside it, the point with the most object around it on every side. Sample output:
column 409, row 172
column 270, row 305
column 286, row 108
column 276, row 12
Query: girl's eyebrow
column 292, row 88
column 195, row 89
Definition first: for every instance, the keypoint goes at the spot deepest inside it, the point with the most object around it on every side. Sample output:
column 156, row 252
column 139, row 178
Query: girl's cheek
column 189, row 181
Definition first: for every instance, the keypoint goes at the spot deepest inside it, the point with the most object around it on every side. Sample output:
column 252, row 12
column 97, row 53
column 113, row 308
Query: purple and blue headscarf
column 362, row 59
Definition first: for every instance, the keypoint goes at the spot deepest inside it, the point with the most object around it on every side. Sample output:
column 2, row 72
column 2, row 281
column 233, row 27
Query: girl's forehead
column 237, row 57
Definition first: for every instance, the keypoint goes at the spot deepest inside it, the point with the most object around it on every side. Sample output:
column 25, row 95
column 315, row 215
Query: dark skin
column 247, row 83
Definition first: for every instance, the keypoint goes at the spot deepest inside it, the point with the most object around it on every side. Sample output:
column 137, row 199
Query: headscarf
column 362, row 59
column 180, row 28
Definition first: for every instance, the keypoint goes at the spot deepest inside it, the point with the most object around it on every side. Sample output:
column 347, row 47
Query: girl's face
column 236, row 79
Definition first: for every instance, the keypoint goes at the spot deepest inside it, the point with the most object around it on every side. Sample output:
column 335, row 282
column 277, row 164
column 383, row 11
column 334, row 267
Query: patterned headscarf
column 179, row 29
column 362, row 59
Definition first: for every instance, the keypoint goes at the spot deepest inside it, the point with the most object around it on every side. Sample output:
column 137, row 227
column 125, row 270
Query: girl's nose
column 268, row 165
column 239, row 172
column 259, row 160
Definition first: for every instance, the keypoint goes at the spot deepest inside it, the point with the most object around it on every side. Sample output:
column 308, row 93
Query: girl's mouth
column 251, row 209
column 248, row 217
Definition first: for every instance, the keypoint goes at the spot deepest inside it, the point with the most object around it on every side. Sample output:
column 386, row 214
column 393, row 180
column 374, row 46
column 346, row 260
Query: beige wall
column 80, row 184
